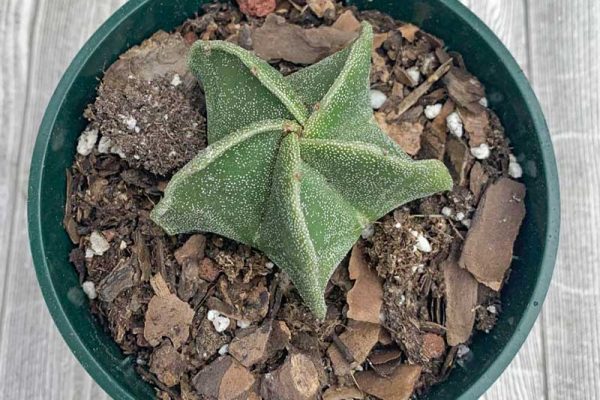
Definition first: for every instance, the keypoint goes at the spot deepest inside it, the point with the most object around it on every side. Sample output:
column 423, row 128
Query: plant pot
column 509, row 96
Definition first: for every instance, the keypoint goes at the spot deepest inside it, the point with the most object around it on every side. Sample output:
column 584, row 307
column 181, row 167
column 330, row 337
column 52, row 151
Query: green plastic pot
column 509, row 95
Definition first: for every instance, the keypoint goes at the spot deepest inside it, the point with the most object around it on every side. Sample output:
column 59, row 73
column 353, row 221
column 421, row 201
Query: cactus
column 296, row 166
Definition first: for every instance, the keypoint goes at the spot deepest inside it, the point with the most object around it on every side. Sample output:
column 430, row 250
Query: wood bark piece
column 257, row 8
column 167, row 316
column 359, row 339
column 365, row 299
column 459, row 159
column 189, row 257
column 463, row 87
column 296, row 379
column 256, row 345
column 488, row 248
column 398, row 386
column 122, row 277
column 476, row 122
column 347, row 22
column 343, row 393
column 433, row 346
column 406, row 134
column 461, row 300
column 321, row 7
column 478, row 178
column 224, row 379
column 409, row 32
column 279, row 40
column 167, row 364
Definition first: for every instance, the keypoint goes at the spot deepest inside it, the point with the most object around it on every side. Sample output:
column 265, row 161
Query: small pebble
column 243, row 324
column 378, row 98
column 224, row 349
column 212, row 314
column 131, row 123
column 433, row 111
column 446, row 211
column 368, row 231
column 176, row 81
column 462, row 351
column 221, row 323
column 454, row 124
column 98, row 243
column 89, row 288
column 514, row 168
column 414, row 74
column 481, row 152
column 423, row 244
column 104, row 145
column 87, row 141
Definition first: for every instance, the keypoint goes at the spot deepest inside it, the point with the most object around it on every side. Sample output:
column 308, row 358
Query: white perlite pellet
column 455, row 124
column 492, row 309
column 481, row 152
column 176, row 81
column 433, row 110
column 378, row 98
column 368, row 231
column 243, row 324
column 446, row 211
column 212, row 314
column 131, row 123
column 483, row 101
column 224, row 349
column 269, row 265
column 462, row 351
column 89, row 288
column 514, row 168
column 414, row 74
column 460, row 216
column 98, row 243
column 87, row 141
column 221, row 323
column 423, row 244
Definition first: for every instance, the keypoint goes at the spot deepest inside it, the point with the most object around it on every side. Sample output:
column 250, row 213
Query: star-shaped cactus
column 296, row 166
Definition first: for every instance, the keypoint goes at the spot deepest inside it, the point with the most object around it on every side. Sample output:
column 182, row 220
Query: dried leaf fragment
column 488, row 248
column 343, row 393
column 167, row 316
column 365, row 299
column 279, row 40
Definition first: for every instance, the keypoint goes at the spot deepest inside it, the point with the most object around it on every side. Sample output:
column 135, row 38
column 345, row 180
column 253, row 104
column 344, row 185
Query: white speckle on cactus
column 98, row 243
column 221, row 323
column 368, row 231
column 483, row 101
column 87, row 141
column 414, row 74
column 455, row 124
column 377, row 98
column 481, row 152
column 514, row 168
column 176, row 81
column 223, row 349
column 446, row 211
column 432, row 110
column 89, row 288
column 423, row 244
column 243, row 324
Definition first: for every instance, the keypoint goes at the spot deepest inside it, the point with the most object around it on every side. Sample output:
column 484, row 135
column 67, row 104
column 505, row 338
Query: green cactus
column 296, row 166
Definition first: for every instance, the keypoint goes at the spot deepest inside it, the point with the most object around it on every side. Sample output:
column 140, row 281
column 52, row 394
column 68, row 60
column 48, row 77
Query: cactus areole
column 296, row 166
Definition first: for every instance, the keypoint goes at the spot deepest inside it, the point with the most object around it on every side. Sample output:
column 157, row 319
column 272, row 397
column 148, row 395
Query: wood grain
column 555, row 42
column 564, row 46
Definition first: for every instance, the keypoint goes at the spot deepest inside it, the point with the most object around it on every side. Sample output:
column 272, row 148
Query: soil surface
column 204, row 317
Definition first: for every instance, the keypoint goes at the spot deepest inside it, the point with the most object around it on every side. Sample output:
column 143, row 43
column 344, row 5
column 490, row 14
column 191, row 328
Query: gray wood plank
column 525, row 377
column 39, row 39
column 564, row 42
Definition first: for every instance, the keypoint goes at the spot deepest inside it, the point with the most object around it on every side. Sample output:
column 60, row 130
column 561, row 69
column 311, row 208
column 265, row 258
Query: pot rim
column 103, row 376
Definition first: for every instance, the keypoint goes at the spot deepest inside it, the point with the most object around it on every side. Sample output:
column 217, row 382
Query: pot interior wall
column 137, row 21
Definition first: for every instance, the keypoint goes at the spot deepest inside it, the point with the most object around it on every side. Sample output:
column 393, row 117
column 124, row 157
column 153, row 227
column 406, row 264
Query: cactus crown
column 296, row 166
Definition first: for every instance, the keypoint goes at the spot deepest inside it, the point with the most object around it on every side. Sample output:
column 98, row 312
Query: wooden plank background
column 557, row 43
